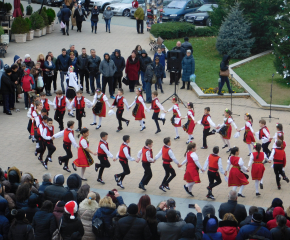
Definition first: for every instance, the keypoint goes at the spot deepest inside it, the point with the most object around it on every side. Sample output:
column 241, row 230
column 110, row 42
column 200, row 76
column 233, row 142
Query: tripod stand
column 174, row 94
column 232, row 98
column 270, row 116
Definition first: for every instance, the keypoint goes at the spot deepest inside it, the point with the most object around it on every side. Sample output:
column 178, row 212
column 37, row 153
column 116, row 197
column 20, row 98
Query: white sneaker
column 25, row 108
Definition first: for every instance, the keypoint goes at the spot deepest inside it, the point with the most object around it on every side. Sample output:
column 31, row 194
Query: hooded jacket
column 21, row 231
column 32, row 208
column 70, row 227
column 229, row 229
column 188, row 67
column 58, row 212
column 188, row 232
column 74, row 182
column 65, row 13
column 94, row 64
column 149, row 73
column 108, row 67
column 161, row 57
column 44, row 225
column 272, row 223
column 27, row 81
column 132, row 68
column 249, row 229
column 14, row 177
column 56, row 191
column 139, row 13
column 108, row 14
column 225, row 63
column 16, row 58
column 119, row 63
column 144, row 61
column 210, row 226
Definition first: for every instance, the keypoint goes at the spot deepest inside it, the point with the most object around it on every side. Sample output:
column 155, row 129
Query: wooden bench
column 155, row 44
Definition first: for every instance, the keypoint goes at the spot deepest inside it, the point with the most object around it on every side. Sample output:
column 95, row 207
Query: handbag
column 154, row 79
column 40, row 83
column 125, row 80
column 98, row 227
column 62, row 25
column 56, row 234
column 18, row 89
column 225, row 73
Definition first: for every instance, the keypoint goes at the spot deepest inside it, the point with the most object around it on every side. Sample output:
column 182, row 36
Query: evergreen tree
column 234, row 35
column 281, row 43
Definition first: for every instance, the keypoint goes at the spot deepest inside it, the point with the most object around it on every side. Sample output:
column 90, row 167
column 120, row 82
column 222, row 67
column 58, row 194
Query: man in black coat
column 132, row 227
column 175, row 76
column 144, row 61
column 7, row 90
column 120, row 65
column 94, row 73
column 187, row 45
column 82, row 65
column 65, row 16
column 232, row 206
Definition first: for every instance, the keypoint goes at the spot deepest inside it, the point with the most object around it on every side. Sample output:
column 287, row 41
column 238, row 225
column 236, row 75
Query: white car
column 123, row 8
column 102, row 4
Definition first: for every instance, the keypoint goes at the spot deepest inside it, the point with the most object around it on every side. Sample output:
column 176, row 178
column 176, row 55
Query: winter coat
column 86, row 213
column 94, row 64
column 73, row 182
column 56, row 191
column 30, row 212
column 272, row 223
column 153, row 230
column 229, row 229
column 246, row 230
column 224, row 65
column 210, row 226
column 21, row 231
column 71, row 227
column 108, row 14
column 187, row 46
column 80, row 18
column 116, row 219
column 132, row 227
column 29, row 64
column 58, row 213
column 107, row 68
column 188, row 232
column 4, row 224
column 188, row 67
column 119, row 63
column 95, row 15
column 158, row 70
column 238, row 210
column 73, row 20
column 27, row 82
column 82, row 63
column 41, row 189
column 161, row 57
column 44, row 225
column 7, row 86
column 139, row 13
column 144, row 61
column 62, row 62
column 65, row 14
column 277, row 233
column 132, row 68
column 170, row 230
column 14, row 175
column 149, row 73
column 47, row 66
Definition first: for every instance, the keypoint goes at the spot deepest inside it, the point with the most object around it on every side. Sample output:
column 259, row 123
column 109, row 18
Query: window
column 190, row 5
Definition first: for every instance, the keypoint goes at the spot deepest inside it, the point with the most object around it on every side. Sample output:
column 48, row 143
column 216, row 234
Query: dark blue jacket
column 46, row 65
column 248, row 229
column 158, row 69
column 62, row 62
column 210, row 226
column 43, row 186
column 44, row 225
column 65, row 13
column 119, row 63
column 188, row 67
column 23, row 204
column 161, row 57
column 4, row 223
column 144, row 61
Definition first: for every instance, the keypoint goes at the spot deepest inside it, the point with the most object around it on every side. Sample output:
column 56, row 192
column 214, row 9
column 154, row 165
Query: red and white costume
column 248, row 136
column 189, row 127
column 46, row 102
column 102, row 98
column 84, row 158
column 258, row 168
column 228, row 122
column 61, row 104
column 236, row 176
column 192, row 167
column 141, row 107
column 276, row 138
column 176, row 119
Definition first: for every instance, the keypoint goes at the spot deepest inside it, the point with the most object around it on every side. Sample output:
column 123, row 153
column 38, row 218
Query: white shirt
column 249, row 126
column 148, row 156
column 175, row 108
column 29, row 113
column 44, row 134
column 158, row 104
column 276, row 138
column 264, row 139
column 124, row 101
column 190, row 114
column 105, row 149
column 59, row 102
column 34, row 113
column 37, row 120
column 170, row 153
column 252, row 158
column 40, row 127
column 70, row 136
column 126, row 152
column 84, row 143
column 48, row 101
column 97, row 98
column 241, row 164
column 195, row 159
column 209, row 120
column 141, row 100
column 230, row 121
column 88, row 102
column 220, row 165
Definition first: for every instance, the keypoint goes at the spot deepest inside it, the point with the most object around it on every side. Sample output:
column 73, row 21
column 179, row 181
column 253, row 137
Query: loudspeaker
column 174, row 58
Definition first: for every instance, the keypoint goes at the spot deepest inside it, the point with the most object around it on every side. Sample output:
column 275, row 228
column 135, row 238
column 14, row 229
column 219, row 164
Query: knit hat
column 26, row 56
column 60, row 204
column 6, row 66
column 58, row 179
column 208, row 209
column 8, row 70
column 257, row 217
column 277, row 202
column 132, row 209
column 71, row 208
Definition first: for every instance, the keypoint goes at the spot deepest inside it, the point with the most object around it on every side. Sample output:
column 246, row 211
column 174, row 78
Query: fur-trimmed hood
column 106, row 205
column 27, row 177
column 85, row 205
column 14, row 175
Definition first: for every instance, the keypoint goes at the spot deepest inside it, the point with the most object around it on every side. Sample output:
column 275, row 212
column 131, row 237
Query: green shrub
column 21, row 8
column 50, row 15
column 29, row 23
column 36, row 21
column 29, row 10
column 7, row 7
column 1, row 30
column 19, row 26
column 44, row 16
column 206, row 32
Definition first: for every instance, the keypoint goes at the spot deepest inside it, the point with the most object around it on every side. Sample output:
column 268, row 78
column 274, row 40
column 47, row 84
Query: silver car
column 102, row 4
column 123, row 8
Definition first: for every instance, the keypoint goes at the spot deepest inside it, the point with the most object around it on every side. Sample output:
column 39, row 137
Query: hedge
column 170, row 30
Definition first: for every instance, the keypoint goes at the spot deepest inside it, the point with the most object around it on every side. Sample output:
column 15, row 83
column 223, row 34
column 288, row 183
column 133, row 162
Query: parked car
column 176, row 10
column 200, row 16
column 123, row 8
column 102, row 4
column 54, row 3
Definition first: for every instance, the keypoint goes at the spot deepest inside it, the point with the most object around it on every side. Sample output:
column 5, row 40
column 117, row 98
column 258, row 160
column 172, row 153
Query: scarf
column 80, row 11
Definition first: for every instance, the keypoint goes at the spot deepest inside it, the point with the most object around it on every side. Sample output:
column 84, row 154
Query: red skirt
column 237, row 178
column 189, row 127
column 191, row 174
column 140, row 113
column 103, row 111
column 84, row 158
column 228, row 132
column 257, row 171
column 249, row 137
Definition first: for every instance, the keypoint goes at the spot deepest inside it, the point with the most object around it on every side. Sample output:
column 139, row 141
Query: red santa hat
column 71, row 207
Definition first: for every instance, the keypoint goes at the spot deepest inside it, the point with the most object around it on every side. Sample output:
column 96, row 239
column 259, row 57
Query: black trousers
column 79, row 25
column 147, row 173
column 126, row 170
column 213, row 176
column 104, row 163
column 278, row 169
column 139, row 24
column 117, row 81
column 119, row 116
column 68, row 156
column 54, row 78
column 47, row 82
column 79, row 115
column 266, row 150
column 84, row 74
column 58, row 116
column 109, row 81
column 206, row 132
column 41, row 149
column 50, row 148
column 67, row 27
column 156, row 118
column 169, row 174
column 132, row 84
column 29, row 126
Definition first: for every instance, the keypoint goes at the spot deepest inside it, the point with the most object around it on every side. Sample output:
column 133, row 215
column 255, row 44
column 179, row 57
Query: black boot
column 188, row 85
column 92, row 28
column 183, row 85
column 95, row 29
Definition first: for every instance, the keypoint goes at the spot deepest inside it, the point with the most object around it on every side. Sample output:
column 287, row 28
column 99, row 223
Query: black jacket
column 54, row 193
column 144, row 61
column 65, row 14
column 95, row 15
column 15, row 76
column 93, row 64
column 71, row 227
column 132, row 227
column 187, row 46
column 79, row 18
column 153, row 230
column 7, row 86
column 82, row 62
column 277, row 233
column 44, row 225
column 21, row 231
column 225, row 63
column 119, row 63
column 238, row 210
column 181, row 49
column 158, row 70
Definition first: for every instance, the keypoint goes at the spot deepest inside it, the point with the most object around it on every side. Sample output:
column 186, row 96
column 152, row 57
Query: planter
column 37, row 33
column 20, row 38
column 43, row 31
column 30, row 35
column 5, row 38
column 12, row 37
column 52, row 26
column 48, row 29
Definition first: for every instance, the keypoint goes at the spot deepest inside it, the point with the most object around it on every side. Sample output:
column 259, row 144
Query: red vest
column 260, row 158
column 120, row 103
column 38, row 129
column 66, row 137
column 247, row 128
column 101, row 151
column 122, row 156
column 144, row 158
column 165, row 156
column 213, row 163
column 62, row 106
column 190, row 159
column 154, row 106
column 46, row 105
column 175, row 111
column 261, row 132
column 49, row 132
column 227, row 121
column 80, row 105
column 279, row 156
column 204, row 121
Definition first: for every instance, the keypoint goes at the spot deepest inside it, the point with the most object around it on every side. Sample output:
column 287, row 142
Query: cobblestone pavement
column 17, row 150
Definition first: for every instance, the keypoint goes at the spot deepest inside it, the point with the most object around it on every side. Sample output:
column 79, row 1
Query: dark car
column 200, row 16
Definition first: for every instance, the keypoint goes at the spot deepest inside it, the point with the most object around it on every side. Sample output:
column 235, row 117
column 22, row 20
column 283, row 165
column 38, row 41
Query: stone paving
column 17, row 150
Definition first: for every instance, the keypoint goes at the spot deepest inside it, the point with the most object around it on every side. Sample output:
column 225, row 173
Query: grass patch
column 207, row 62
column 258, row 75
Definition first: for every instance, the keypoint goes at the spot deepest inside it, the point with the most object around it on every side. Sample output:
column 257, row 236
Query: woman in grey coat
column 188, row 68
column 107, row 15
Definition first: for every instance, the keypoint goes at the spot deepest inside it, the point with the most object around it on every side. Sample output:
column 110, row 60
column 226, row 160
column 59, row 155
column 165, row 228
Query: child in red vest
column 190, row 125
column 206, row 122
column 42, row 147
column 119, row 102
column 28, row 85
column 214, row 163
column 167, row 157
column 146, row 155
column 176, row 118
column 156, row 107
column 249, row 132
column 278, row 157
column 79, row 102
column 29, row 114
column 264, row 135
column 45, row 102
column 36, row 112
column 60, row 105
column 37, row 122
column 103, row 154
